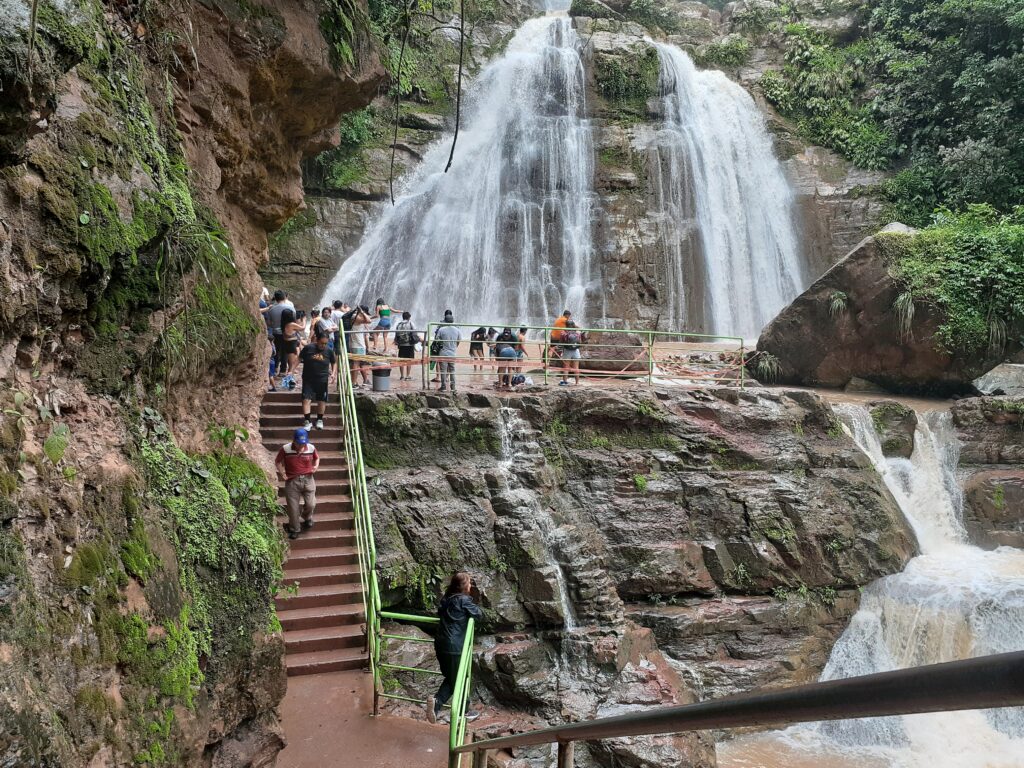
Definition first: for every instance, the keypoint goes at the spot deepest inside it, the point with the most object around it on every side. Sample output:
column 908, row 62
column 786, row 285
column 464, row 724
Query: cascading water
column 507, row 231
column 954, row 601
column 724, row 209
column 510, row 426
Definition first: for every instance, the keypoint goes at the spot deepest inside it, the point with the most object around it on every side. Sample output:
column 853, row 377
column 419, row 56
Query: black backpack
column 406, row 338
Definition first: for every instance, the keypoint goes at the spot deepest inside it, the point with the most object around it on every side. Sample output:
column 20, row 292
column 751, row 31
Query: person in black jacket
column 455, row 611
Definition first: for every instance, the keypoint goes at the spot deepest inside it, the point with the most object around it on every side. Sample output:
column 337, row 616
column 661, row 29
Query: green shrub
column 729, row 53
column 970, row 267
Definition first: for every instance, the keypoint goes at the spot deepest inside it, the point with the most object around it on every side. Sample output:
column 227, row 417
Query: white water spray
column 716, row 173
column 954, row 601
column 507, row 231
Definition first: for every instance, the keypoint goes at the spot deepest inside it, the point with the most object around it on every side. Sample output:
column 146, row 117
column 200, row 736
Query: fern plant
column 837, row 302
column 903, row 306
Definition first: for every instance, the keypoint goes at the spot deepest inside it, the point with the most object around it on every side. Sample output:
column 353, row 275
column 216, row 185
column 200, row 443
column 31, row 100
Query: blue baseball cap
column 301, row 436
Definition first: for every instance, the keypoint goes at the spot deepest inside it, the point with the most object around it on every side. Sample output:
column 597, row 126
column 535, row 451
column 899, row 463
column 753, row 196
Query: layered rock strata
column 631, row 549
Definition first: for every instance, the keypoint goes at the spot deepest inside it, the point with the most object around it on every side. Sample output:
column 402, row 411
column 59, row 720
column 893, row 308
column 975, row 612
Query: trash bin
column 381, row 376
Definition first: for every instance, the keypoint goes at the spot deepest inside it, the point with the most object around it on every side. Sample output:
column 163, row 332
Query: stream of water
column 716, row 172
column 507, row 232
column 953, row 601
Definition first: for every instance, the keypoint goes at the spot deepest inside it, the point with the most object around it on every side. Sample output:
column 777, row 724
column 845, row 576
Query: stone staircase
column 323, row 620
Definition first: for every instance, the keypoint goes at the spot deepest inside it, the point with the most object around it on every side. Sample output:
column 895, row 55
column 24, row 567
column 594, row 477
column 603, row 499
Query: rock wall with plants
column 631, row 550
column 146, row 150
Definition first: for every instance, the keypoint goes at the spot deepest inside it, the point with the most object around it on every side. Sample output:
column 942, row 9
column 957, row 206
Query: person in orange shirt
column 556, row 335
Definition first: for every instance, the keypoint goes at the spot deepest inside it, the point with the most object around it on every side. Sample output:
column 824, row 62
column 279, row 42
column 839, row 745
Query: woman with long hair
column 294, row 329
column 455, row 611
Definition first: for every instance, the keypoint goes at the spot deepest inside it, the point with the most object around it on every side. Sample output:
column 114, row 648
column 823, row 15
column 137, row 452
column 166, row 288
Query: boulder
column 994, row 508
column 846, row 325
column 895, row 425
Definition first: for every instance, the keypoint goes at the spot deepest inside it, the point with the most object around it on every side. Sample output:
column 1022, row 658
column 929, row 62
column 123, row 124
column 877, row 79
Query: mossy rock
column 895, row 425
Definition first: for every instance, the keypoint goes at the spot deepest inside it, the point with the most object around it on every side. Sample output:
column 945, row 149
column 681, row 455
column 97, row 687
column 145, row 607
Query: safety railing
column 460, row 698
column 687, row 359
column 987, row 682
column 376, row 639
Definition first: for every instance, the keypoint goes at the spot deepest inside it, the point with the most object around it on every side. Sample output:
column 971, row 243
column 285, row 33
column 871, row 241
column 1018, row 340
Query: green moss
column 627, row 83
column 230, row 550
column 90, row 562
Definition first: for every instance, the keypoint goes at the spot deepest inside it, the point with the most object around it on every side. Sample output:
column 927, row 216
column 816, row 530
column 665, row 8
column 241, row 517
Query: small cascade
column 511, row 430
column 953, row 601
column 506, row 232
column 724, row 210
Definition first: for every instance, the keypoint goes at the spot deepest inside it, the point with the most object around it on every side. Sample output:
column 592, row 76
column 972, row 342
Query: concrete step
column 321, row 575
column 317, row 539
column 322, row 557
column 283, row 434
column 273, row 420
column 325, row 520
column 294, row 619
column 324, row 639
column 320, row 596
column 330, row 497
column 294, row 395
column 325, row 661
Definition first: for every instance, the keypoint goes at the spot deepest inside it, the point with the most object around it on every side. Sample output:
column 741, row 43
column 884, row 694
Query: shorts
column 384, row 324
column 570, row 354
column 315, row 391
column 507, row 354
column 291, row 347
column 357, row 350
column 521, row 353
column 476, row 346
column 407, row 352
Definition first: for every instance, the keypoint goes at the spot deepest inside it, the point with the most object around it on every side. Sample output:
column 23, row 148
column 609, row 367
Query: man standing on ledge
column 296, row 463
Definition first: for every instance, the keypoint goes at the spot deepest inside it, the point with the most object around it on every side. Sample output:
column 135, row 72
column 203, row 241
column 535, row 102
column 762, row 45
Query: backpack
column 404, row 337
column 435, row 347
column 571, row 338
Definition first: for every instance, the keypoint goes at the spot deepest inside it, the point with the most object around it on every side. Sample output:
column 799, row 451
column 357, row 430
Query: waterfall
column 953, row 601
column 510, row 428
column 506, row 233
column 724, row 210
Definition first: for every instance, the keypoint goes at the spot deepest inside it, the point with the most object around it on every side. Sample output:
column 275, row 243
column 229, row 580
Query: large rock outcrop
column 992, row 458
column 746, row 520
column 849, row 324
column 147, row 150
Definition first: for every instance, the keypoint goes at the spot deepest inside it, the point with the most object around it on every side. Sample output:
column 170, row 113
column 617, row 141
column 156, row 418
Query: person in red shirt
column 296, row 463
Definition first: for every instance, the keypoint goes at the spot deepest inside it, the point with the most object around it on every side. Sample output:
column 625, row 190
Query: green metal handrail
column 460, row 698
column 369, row 587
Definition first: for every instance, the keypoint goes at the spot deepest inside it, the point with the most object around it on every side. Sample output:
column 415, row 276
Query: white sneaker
column 307, row 425
column 319, row 423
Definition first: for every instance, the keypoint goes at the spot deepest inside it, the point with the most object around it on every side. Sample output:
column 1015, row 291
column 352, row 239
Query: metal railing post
column 650, row 359
column 743, row 363
column 565, row 750
column 547, row 354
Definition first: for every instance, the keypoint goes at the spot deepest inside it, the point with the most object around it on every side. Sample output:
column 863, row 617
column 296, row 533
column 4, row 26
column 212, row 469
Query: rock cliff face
column 992, row 456
column 631, row 549
column 146, row 152
column 848, row 324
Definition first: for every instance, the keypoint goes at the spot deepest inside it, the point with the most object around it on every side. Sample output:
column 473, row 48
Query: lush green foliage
column 730, row 53
column 933, row 87
column 970, row 266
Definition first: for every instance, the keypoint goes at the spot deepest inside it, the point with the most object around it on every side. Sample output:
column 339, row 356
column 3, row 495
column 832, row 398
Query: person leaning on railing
column 455, row 611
